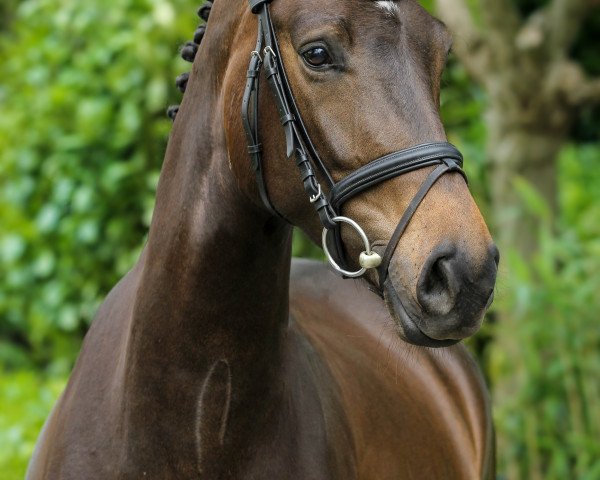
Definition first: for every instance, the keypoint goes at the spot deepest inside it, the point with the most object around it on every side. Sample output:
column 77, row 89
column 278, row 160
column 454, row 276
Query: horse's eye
column 317, row 57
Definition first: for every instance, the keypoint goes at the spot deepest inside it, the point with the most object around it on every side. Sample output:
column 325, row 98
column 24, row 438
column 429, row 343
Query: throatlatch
column 267, row 56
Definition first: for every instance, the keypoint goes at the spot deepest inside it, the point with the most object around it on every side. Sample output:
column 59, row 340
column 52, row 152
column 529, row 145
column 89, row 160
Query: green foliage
column 547, row 353
column 82, row 134
column 462, row 109
column 25, row 401
column 305, row 248
column 7, row 9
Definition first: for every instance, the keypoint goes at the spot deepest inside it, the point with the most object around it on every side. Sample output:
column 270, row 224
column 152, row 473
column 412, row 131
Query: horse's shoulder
column 98, row 368
column 422, row 394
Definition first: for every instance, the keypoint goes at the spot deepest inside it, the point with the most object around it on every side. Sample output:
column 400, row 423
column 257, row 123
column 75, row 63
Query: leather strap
column 290, row 119
column 449, row 165
column 385, row 168
column 250, row 120
column 390, row 166
column 301, row 127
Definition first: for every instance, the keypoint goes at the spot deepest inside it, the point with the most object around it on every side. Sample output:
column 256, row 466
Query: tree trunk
column 535, row 92
column 529, row 153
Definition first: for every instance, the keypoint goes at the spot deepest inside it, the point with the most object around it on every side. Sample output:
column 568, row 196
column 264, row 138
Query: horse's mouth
column 406, row 326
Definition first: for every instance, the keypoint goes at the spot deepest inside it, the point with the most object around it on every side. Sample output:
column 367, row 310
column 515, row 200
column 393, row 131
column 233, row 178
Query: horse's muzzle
column 452, row 296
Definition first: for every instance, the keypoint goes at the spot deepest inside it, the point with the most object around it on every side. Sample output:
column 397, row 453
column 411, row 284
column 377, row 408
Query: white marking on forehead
column 390, row 7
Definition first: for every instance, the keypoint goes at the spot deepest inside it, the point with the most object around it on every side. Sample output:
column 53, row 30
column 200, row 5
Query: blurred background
column 83, row 90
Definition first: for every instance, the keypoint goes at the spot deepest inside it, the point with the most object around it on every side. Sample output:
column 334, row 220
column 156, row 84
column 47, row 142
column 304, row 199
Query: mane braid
column 188, row 52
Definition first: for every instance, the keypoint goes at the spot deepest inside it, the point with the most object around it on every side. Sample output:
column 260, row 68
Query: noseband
column 298, row 142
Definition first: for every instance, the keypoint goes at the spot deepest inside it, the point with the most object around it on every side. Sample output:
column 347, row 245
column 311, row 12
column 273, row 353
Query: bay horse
column 216, row 357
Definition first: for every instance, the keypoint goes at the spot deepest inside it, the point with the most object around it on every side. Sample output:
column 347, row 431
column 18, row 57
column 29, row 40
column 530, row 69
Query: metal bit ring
column 368, row 252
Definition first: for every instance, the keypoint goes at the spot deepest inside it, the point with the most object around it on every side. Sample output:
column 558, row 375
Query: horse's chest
column 294, row 429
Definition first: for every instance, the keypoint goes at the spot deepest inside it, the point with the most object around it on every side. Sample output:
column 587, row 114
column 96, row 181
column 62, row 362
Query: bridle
column 298, row 142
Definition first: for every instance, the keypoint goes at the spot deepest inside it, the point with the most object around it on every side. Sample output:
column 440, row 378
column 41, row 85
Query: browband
column 443, row 155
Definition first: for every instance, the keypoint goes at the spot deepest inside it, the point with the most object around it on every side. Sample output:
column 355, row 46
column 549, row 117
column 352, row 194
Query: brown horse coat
column 355, row 402
column 206, row 361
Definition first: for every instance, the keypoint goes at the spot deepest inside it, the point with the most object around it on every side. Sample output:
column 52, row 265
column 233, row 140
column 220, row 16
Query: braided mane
column 188, row 53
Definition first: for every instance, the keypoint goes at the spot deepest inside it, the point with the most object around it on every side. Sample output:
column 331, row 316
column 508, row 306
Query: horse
column 216, row 356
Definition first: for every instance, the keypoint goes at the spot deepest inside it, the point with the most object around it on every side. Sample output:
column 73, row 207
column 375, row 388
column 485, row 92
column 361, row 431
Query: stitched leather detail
column 390, row 166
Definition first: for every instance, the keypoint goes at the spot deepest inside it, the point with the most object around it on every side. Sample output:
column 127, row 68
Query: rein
column 267, row 55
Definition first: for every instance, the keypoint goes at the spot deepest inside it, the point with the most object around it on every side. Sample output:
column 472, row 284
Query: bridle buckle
column 315, row 198
column 256, row 53
column 269, row 50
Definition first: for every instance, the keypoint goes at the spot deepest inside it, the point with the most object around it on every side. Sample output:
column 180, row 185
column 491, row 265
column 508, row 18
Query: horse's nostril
column 454, row 289
column 495, row 253
column 437, row 280
column 450, row 283
column 437, row 287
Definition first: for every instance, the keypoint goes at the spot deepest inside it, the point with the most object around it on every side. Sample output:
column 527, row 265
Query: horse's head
column 366, row 78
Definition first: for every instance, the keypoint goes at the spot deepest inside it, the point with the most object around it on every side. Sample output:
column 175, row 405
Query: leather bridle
column 298, row 142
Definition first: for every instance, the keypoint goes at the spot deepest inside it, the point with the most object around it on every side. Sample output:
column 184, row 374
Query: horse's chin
column 407, row 328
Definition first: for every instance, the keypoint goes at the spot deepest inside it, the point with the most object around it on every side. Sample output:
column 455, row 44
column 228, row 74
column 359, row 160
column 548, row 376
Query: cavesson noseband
column 443, row 154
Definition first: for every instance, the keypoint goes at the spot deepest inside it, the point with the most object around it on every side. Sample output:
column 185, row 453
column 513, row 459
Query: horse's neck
column 212, row 302
column 215, row 268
